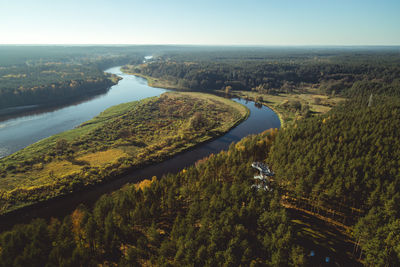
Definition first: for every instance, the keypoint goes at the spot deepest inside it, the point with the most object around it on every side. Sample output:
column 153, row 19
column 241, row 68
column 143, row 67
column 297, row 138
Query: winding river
column 22, row 131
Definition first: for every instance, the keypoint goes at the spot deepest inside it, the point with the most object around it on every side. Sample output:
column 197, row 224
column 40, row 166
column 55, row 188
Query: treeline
column 345, row 166
column 207, row 215
column 45, row 85
column 14, row 55
column 333, row 72
column 47, row 75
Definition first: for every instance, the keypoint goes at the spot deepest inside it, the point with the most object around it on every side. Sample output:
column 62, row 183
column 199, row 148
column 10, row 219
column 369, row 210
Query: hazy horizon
column 212, row 45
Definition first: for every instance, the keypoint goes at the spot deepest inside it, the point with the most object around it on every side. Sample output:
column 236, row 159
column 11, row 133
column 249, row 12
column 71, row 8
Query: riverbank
column 154, row 82
column 15, row 112
column 62, row 94
column 123, row 137
column 19, row 131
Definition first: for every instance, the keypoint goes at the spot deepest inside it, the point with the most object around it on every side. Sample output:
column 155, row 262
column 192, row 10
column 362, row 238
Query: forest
column 124, row 137
column 50, row 83
column 273, row 71
column 345, row 166
column 53, row 75
column 295, row 82
column 336, row 161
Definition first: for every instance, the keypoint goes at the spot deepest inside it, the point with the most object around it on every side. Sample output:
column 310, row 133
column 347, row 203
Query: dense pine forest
column 345, row 166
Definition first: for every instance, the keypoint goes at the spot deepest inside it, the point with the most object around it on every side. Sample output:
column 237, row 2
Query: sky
column 201, row 22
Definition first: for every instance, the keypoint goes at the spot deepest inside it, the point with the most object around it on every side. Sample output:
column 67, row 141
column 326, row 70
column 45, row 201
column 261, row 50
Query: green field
column 122, row 137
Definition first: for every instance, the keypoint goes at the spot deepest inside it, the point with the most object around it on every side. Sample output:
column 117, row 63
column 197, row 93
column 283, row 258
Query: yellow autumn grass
column 101, row 158
column 59, row 168
column 62, row 168
column 41, row 176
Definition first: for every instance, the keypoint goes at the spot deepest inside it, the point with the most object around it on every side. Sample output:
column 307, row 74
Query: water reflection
column 18, row 112
column 257, row 105
column 20, row 131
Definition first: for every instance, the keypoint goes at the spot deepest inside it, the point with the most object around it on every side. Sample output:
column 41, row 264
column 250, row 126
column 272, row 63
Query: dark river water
column 20, row 132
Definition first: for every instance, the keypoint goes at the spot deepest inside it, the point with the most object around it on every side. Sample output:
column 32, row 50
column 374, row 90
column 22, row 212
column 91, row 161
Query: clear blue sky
column 214, row 22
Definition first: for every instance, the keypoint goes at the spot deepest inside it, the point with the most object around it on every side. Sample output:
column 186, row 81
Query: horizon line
column 215, row 45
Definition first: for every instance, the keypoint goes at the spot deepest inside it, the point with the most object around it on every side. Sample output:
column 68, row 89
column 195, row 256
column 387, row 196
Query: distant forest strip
column 123, row 137
column 333, row 72
column 45, row 85
column 36, row 75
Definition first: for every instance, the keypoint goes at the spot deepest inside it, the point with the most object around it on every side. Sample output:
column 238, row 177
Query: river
column 22, row 131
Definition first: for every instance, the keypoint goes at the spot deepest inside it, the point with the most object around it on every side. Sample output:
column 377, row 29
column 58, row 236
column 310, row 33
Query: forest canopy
column 345, row 166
